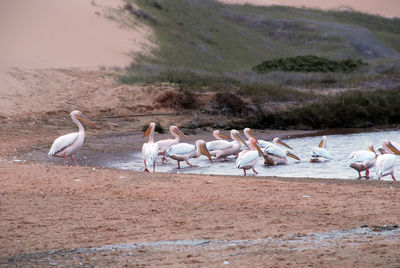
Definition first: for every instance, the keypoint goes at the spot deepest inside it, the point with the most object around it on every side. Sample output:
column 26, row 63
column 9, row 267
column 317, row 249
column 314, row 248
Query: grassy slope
column 208, row 35
column 207, row 44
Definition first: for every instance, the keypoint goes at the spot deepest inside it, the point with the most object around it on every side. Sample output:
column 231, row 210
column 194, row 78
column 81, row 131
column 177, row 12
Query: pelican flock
column 245, row 152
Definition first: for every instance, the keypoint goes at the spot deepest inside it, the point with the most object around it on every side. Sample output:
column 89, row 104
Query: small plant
column 158, row 128
column 229, row 103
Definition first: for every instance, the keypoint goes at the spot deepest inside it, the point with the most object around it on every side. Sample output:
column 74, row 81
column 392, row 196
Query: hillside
column 213, row 36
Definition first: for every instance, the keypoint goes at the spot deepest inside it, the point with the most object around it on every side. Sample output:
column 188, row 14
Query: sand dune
column 59, row 33
column 387, row 8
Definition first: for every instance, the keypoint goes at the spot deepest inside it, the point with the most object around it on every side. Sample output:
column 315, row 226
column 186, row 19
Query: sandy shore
column 47, row 208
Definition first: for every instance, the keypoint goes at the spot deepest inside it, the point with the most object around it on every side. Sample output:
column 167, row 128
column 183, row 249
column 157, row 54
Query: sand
column 52, row 215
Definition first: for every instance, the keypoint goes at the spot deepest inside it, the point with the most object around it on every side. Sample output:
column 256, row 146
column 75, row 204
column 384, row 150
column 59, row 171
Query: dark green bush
column 309, row 63
column 350, row 109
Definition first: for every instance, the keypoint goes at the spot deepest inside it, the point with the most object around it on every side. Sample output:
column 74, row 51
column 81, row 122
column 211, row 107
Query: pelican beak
column 322, row 143
column 393, row 148
column 284, row 144
column 223, row 136
column 180, row 133
column 258, row 149
column 292, row 155
column 86, row 120
column 204, row 151
column 371, row 148
column 251, row 134
column 147, row 132
column 240, row 138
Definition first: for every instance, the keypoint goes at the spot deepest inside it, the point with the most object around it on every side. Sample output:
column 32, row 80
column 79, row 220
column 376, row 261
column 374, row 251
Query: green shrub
column 350, row 109
column 309, row 63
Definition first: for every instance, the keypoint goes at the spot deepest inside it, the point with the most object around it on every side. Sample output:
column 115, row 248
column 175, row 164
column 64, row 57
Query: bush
column 351, row 109
column 158, row 128
column 309, row 63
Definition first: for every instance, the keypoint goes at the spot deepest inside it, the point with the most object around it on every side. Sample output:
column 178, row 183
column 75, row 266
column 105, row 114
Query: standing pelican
column 320, row 154
column 150, row 148
column 163, row 145
column 248, row 158
column 234, row 149
column 185, row 151
column 275, row 155
column 219, row 143
column 68, row 144
column 363, row 160
column 385, row 162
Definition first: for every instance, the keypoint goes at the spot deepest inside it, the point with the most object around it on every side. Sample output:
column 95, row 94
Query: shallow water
column 98, row 152
column 339, row 146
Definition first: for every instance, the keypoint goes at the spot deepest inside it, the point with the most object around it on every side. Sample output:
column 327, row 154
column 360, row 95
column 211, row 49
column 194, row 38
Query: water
column 339, row 146
column 119, row 152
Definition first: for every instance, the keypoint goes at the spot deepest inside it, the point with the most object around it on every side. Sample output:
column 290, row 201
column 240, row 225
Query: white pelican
column 248, row 158
column 320, row 154
column 385, row 165
column 219, row 143
column 163, row 145
column 234, row 149
column 275, row 155
column 363, row 160
column 385, row 162
column 150, row 148
column 68, row 144
column 185, row 151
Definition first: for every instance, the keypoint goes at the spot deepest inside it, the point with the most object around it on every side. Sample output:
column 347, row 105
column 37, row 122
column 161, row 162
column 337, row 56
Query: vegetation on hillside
column 210, row 46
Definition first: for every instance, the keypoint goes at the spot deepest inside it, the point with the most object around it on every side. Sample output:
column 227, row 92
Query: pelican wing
column 150, row 152
column 218, row 145
column 275, row 150
column 361, row 156
column 180, row 149
column 321, row 152
column 385, row 164
column 246, row 158
column 264, row 144
column 165, row 144
column 63, row 142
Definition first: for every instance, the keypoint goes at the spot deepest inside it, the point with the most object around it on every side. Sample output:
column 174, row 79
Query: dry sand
column 60, row 209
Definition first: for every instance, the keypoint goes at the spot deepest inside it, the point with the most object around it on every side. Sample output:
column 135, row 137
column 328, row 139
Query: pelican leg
column 145, row 166
column 254, row 171
column 179, row 164
column 244, row 172
column 367, row 174
column 359, row 175
column 164, row 160
column 187, row 162
column 73, row 160
column 65, row 159
column 393, row 177
column 154, row 166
